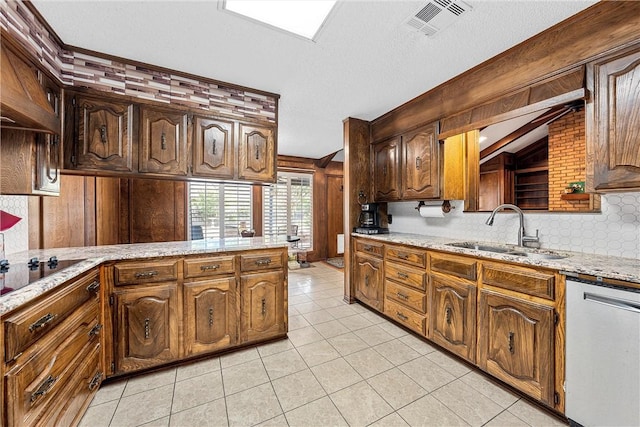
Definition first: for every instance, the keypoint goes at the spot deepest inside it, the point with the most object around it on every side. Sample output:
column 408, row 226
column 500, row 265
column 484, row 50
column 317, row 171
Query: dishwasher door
column 603, row 355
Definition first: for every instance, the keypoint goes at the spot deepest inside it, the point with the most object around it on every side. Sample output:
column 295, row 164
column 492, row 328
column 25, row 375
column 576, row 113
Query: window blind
column 219, row 209
column 288, row 207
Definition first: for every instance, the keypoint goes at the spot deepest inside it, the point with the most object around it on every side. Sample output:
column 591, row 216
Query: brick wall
column 567, row 161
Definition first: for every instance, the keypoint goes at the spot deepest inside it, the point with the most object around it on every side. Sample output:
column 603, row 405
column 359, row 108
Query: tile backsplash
column 16, row 239
column 615, row 231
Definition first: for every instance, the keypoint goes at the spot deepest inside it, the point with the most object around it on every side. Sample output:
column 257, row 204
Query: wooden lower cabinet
column 263, row 306
column 209, row 315
column 369, row 279
column 453, row 315
column 146, row 326
column 517, row 343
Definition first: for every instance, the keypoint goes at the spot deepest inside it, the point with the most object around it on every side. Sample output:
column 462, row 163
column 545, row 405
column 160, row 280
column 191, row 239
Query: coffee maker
column 370, row 220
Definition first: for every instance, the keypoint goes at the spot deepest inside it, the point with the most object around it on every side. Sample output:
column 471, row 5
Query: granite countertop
column 608, row 267
column 93, row 256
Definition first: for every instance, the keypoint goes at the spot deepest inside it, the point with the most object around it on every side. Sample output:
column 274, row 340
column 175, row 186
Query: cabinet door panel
column 104, row 132
column 517, row 346
column 386, row 170
column 613, row 123
column 209, row 315
column 262, row 305
column 146, row 326
column 421, row 164
column 369, row 277
column 163, row 146
column 453, row 316
column 213, row 149
column 257, row 153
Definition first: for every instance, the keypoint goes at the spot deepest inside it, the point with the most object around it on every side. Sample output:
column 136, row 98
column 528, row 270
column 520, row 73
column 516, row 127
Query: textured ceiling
column 364, row 62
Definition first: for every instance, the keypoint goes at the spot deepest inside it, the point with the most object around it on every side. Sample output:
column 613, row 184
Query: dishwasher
column 603, row 353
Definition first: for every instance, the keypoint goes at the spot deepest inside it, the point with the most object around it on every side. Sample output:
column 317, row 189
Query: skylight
column 303, row 18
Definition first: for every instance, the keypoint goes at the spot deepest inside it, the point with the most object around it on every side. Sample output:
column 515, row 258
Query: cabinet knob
column 401, row 316
column 418, row 163
column 403, row 275
column 209, row 267
column 403, row 296
column 43, row 389
column 214, row 151
column 447, row 315
column 146, row 274
column 264, row 306
column 366, row 280
column 163, row 141
column 210, row 316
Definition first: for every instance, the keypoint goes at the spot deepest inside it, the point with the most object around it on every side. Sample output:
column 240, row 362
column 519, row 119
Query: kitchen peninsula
column 122, row 309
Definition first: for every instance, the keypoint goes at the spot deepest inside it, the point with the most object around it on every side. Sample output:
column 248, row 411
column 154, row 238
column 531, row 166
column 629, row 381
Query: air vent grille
column 437, row 15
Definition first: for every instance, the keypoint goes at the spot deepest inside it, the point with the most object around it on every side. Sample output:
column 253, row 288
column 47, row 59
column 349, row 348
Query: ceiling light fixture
column 304, row 18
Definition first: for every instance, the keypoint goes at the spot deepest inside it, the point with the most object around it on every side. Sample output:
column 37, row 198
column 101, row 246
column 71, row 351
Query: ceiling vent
column 437, row 15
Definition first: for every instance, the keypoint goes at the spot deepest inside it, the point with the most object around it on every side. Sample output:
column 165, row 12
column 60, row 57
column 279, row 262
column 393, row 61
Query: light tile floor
column 342, row 365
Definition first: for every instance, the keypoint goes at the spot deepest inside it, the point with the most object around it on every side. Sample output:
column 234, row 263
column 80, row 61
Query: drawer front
column 28, row 325
column 35, row 382
column 68, row 410
column 406, row 296
column 465, row 268
column 407, row 276
column 128, row 273
column 210, row 266
column 261, row 261
column 519, row 279
column 369, row 247
column 403, row 315
column 415, row 257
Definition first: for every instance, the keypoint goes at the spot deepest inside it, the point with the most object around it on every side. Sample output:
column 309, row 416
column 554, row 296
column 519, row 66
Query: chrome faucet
column 522, row 237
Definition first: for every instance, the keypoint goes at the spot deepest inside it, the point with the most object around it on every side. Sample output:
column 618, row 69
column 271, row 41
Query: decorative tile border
column 79, row 69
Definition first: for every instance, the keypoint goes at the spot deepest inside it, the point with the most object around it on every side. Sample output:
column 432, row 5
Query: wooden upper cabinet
column 257, row 153
column 163, row 142
column 613, row 122
column 102, row 135
column 386, row 170
column 421, row 160
column 213, row 148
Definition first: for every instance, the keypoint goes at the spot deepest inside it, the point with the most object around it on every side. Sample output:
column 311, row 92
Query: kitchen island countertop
column 93, row 256
column 608, row 267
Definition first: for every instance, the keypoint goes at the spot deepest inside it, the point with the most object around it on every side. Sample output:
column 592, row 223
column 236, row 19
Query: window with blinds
column 288, row 207
column 219, row 209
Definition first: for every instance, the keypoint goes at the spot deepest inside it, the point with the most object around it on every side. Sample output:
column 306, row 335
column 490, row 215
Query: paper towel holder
column 446, row 206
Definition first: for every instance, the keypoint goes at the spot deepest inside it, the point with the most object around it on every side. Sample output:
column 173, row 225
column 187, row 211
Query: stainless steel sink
column 537, row 255
column 479, row 247
column 507, row 250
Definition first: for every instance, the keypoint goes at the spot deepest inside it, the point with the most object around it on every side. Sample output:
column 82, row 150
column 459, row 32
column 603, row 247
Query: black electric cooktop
column 18, row 275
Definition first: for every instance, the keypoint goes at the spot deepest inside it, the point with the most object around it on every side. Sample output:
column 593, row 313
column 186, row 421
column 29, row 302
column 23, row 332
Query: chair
column 196, row 232
column 293, row 237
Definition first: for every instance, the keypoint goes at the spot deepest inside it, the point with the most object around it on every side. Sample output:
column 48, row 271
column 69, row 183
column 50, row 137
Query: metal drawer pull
column 209, row 267
column 147, row 328
column 210, row 316
column 512, row 348
column 403, row 256
column 146, row 274
column 447, row 314
column 94, row 286
column 95, row 381
column 103, row 134
column 44, row 388
column 403, row 275
column 418, row 163
column 403, row 296
column 263, row 261
column 366, row 280
column 368, row 248
column 42, row 322
column 95, row 330
column 401, row 316
column 163, row 141
column 264, row 306
column 215, row 151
